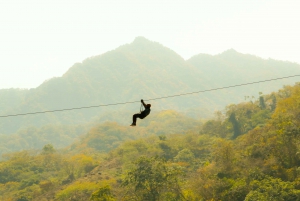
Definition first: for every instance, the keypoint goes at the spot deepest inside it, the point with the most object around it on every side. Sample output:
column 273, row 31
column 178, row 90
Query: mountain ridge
column 143, row 69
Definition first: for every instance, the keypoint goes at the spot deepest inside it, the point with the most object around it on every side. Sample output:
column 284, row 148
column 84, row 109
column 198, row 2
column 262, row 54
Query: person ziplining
column 142, row 114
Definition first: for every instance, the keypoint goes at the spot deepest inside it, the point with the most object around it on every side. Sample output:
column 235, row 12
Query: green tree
column 103, row 194
column 236, row 126
column 224, row 155
column 272, row 189
column 48, row 149
column 153, row 179
column 274, row 102
column 262, row 104
column 185, row 155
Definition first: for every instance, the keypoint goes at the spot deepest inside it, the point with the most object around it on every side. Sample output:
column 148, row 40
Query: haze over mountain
column 142, row 69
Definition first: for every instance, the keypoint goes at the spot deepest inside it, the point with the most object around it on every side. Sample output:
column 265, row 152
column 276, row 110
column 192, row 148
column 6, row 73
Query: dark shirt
column 146, row 112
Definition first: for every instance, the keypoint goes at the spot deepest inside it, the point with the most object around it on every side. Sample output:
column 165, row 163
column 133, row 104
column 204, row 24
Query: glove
column 142, row 100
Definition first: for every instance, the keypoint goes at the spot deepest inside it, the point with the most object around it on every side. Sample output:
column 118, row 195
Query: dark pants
column 135, row 116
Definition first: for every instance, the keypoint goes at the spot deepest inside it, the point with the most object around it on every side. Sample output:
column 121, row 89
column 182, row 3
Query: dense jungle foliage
column 248, row 152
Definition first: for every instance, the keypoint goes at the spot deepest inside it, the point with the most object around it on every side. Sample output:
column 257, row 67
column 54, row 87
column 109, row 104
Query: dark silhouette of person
column 141, row 115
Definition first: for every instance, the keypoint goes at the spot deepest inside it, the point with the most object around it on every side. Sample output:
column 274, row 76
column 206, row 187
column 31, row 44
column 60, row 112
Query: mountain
column 141, row 69
column 232, row 67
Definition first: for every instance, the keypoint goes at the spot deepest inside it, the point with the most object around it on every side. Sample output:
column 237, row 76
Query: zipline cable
column 163, row 97
column 219, row 88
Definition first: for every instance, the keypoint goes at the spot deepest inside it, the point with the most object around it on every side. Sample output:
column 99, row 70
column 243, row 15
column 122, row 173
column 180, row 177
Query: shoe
column 133, row 125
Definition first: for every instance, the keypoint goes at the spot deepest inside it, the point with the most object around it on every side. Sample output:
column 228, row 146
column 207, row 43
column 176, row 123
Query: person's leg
column 134, row 117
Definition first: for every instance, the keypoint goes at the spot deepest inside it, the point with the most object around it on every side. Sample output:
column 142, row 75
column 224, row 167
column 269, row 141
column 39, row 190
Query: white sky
column 40, row 39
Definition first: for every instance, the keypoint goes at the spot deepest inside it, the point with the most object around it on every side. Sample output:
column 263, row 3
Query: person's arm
column 143, row 103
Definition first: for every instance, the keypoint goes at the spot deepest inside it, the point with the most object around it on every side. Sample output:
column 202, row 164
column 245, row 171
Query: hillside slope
column 198, row 161
column 142, row 69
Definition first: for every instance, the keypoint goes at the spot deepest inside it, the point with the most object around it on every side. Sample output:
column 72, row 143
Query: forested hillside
column 248, row 152
column 141, row 69
column 111, row 135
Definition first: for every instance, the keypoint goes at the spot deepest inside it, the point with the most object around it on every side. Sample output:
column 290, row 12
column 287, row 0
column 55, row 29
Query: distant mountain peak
column 141, row 39
column 150, row 47
column 230, row 51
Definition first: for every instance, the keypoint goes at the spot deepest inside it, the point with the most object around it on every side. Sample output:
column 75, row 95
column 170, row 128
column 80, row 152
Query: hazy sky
column 40, row 39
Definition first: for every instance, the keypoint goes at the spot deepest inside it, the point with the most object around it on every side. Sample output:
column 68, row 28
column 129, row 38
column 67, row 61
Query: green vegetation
column 208, row 161
column 35, row 138
column 249, row 151
column 153, row 179
column 102, row 137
